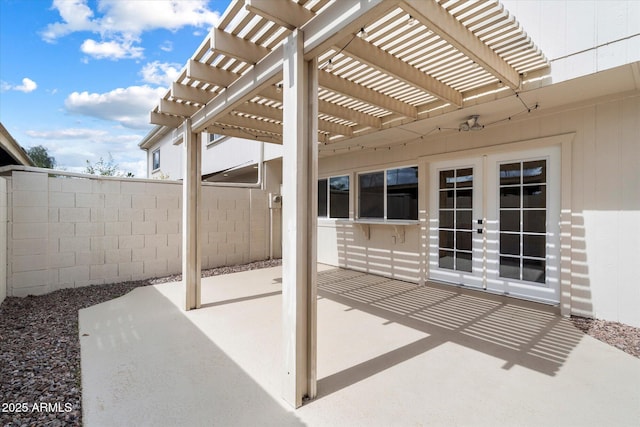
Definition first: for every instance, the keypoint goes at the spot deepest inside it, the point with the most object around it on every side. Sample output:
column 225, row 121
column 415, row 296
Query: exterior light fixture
column 363, row 33
column 500, row 84
column 279, row 87
column 329, row 66
column 411, row 21
column 471, row 124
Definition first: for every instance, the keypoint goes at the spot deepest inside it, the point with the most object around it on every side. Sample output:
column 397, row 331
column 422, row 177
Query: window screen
column 339, row 197
column 371, row 195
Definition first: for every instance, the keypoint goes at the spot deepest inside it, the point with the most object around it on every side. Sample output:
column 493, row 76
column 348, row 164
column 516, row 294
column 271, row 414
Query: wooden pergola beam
column 165, row 120
column 248, row 123
column 272, row 113
column 190, row 93
column 441, row 22
column 341, row 19
column 266, row 72
column 381, row 60
column 341, row 112
column 364, row 94
column 177, row 108
column 282, row 12
column 206, row 73
column 236, row 47
column 255, row 136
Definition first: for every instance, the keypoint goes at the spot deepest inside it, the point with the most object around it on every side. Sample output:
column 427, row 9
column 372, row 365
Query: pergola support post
column 191, row 196
column 299, row 207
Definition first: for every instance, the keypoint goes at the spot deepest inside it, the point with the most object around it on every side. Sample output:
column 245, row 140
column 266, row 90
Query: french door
column 494, row 223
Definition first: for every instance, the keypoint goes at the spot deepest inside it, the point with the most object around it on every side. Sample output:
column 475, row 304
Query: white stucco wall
column 605, row 202
column 581, row 37
column 224, row 154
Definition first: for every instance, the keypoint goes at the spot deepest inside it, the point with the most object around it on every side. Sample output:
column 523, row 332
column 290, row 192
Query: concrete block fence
column 70, row 231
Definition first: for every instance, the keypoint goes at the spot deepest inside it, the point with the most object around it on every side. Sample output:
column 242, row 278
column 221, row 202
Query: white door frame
column 560, row 174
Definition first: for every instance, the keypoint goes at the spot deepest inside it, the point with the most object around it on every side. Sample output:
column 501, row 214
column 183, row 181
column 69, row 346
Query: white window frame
column 384, row 193
column 328, row 179
column 153, row 159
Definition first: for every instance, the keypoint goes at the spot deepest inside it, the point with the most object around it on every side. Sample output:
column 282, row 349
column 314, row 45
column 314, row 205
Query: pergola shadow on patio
column 516, row 331
column 389, row 353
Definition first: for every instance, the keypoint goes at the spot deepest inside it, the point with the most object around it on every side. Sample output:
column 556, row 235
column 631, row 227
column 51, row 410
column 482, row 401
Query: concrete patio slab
column 389, row 353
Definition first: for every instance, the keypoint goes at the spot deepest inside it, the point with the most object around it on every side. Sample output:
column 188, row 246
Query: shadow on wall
column 379, row 249
column 519, row 332
column 581, row 295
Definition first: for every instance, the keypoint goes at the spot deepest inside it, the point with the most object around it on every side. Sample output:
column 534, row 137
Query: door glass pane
column 445, row 259
column 510, row 173
column 534, row 196
column 455, row 219
column 534, row 245
column 446, row 199
column 446, row 239
column 509, row 220
column 509, row 244
column 446, row 219
column 534, row 221
column 464, row 178
column 339, row 197
column 322, row 197
column 463, row 220
column 447, row 179
column 535, row 172
column 533, row 270
column 463, row 240
column 523, row 194
column 371, row 195
column 510, row 267
column 463, row 261
column 464, row 199
column 510, row 197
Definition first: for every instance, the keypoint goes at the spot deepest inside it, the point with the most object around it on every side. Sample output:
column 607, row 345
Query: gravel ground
column 40, row 351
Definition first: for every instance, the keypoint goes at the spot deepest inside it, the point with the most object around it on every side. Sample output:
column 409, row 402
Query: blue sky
column 80, row 76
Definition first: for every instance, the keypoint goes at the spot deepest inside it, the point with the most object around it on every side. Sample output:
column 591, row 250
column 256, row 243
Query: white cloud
column 166, row 46
column 71, row 133
column 111, row 50
column 72, row 147
column 121, row 23
column 160, row 73
column 134, row 17
column 76, row 16
column 129, row 106
column 27, row 86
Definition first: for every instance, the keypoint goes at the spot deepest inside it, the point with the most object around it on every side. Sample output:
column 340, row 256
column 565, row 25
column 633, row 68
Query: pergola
column 316, row 75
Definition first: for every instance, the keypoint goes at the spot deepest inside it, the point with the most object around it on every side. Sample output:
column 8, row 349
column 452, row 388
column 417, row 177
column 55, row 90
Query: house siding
column 604, row 203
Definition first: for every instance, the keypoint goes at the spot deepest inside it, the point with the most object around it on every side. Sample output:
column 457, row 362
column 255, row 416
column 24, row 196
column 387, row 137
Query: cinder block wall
column 67, row 232
column 3, row 239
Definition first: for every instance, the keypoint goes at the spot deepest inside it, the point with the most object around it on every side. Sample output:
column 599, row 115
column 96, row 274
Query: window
column 213, row 137
column 156, row 159
column 390, row 194
column 333, row 197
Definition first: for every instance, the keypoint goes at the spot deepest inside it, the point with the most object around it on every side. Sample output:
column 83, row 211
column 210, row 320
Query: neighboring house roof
column 11, row 153
column 381, row 64
column 154, row 135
